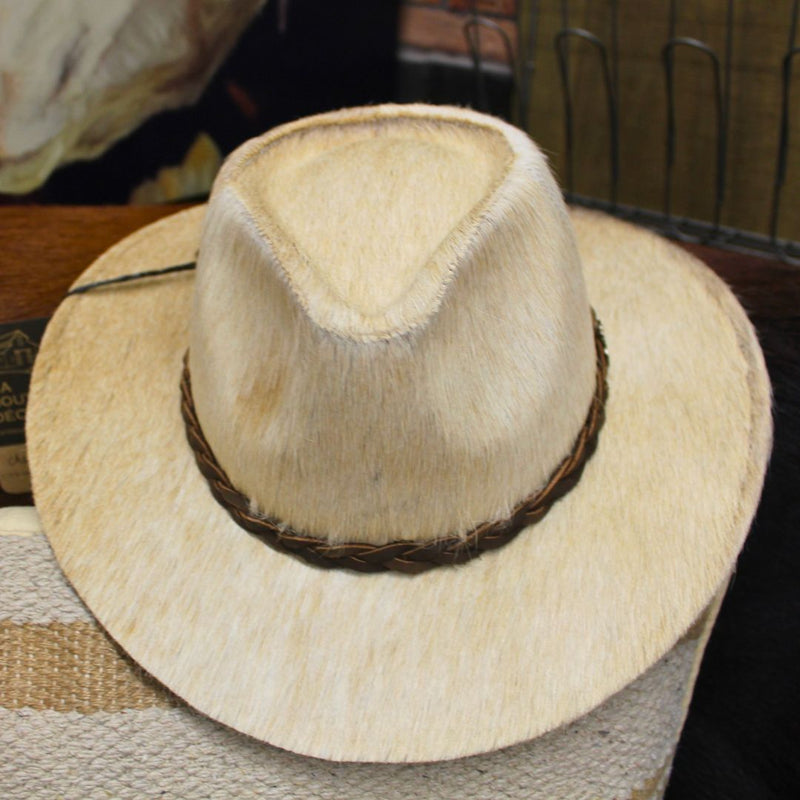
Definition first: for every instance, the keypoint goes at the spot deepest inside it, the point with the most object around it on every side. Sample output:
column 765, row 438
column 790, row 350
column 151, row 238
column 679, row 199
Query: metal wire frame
column 787, row 250
column 562, row 45
column 472, row 34
column 523, row 68
column 721, row 104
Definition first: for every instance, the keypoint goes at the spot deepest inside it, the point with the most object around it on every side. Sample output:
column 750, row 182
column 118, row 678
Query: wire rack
column 578, row 51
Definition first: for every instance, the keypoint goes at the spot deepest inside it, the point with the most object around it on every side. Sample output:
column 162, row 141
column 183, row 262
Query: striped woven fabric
column 79, row 720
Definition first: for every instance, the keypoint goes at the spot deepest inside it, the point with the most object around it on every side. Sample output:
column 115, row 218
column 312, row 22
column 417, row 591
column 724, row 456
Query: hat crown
column 391, row 337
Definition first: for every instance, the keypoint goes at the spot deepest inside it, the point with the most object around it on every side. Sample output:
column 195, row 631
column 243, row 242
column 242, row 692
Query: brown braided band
column 402, row 556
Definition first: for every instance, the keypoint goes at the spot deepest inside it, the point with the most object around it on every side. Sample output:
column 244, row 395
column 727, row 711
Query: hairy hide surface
column 376, row 361
column 391, row 668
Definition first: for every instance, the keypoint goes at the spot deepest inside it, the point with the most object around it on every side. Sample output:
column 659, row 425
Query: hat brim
column 390, row 667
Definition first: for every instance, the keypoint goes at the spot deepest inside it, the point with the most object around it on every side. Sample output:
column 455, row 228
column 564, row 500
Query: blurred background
column 681, row 115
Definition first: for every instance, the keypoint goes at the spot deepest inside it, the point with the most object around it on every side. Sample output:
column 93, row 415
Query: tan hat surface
column 429, row 402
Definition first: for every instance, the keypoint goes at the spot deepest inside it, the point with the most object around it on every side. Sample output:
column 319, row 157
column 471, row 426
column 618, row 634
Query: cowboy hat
column 390, row 343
